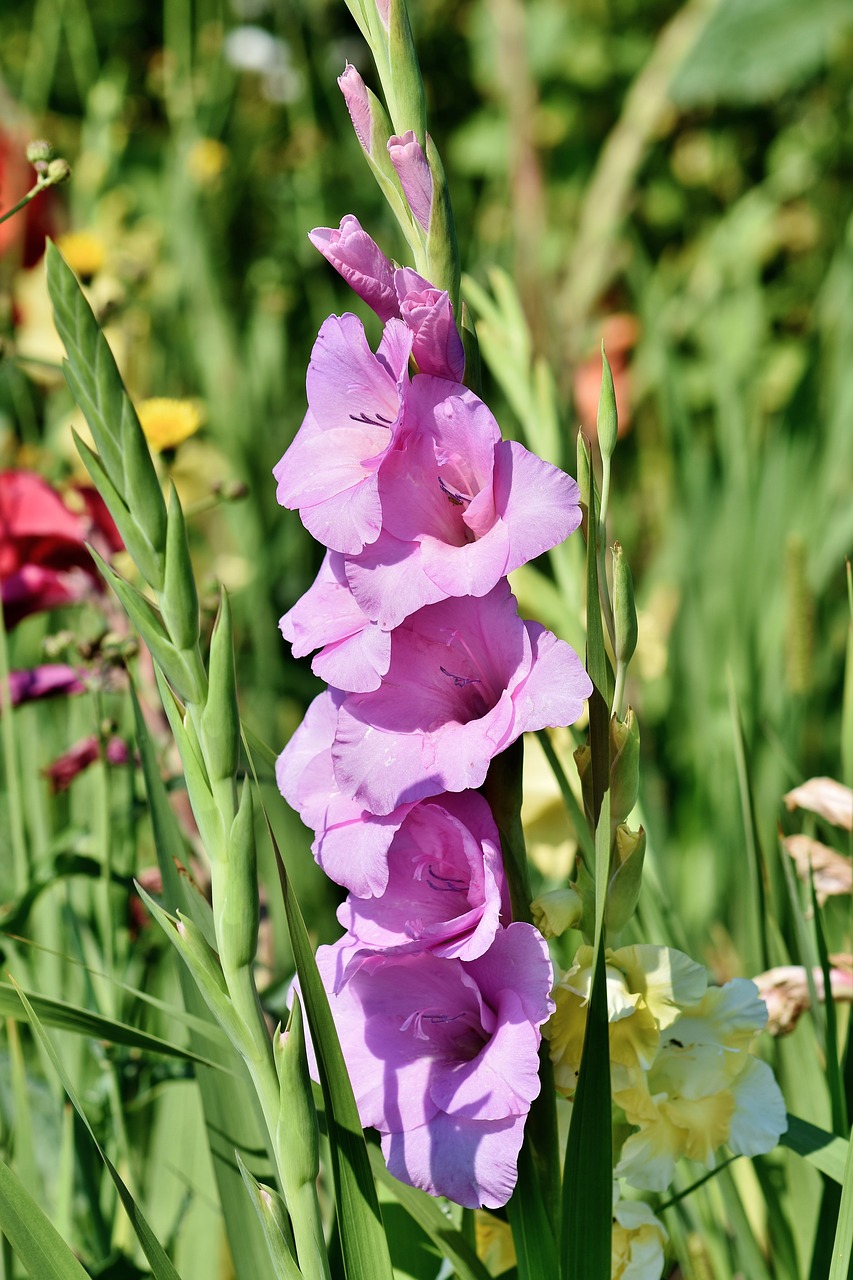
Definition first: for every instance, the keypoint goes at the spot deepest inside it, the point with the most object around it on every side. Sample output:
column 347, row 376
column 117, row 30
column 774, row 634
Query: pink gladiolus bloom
column 446, row 888
column 358, row 105
column 461, row 508
column 354, row 652
column 443, row 1056
column 330, row 473
column 362, row 264
column 414, row 173
column 53, row 679
column 351, row 845
column 428, row 312
column 467, row 676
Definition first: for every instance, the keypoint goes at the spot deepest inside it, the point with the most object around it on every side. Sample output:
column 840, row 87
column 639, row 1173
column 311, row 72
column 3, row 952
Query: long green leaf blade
column 32, row 1235
column 161, row 1264
column 827, row 1153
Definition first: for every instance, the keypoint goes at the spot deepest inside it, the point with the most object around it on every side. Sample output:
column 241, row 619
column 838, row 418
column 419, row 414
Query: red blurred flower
column 44, row 562
column 72, row 762
column 620, row 333
column 24, row 235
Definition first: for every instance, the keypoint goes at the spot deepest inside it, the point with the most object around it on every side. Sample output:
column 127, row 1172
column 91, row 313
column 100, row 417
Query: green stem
column 13, row 777
column 25, row 200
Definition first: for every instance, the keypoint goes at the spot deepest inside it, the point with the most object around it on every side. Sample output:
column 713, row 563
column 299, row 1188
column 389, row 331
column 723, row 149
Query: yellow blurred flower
column 167, row 422
column 495, row 1247
column 206, row 160
column 84, row 251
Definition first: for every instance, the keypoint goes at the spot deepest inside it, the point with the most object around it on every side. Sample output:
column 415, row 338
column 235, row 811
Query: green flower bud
column 626, row 874
column 556, row 911
column 297, row 1125
column 179, row 599
column 606, row 424
column 624, row 609
column 235, row 891
column 624, row 766
column 39, row 152
column 220, row 721
column 406, row 96
column 269, row 1207
column 442, row 248
column 585, row 479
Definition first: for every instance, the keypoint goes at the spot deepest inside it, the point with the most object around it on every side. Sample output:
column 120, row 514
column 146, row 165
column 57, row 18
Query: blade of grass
column 828, row 1153
column 751, row 836
column 32, row 1235
column 223, row 1096
column 161, row 1265
column 842, row 1247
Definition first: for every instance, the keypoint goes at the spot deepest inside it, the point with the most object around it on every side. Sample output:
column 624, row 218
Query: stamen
column 460, row 681
column 446, row 884
column 378, row 421
column 456, row 498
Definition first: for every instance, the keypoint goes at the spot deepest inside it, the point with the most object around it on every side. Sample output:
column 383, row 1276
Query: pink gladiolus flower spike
column 467, row 676
column 355, row 399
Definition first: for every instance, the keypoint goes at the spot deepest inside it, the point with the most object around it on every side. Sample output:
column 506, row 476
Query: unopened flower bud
column 627, row 854
column 298, row 1115
column 607, row 424
column 624, row 609
column 413, row 171
column 624, row 766
column 556, row 911
column 39, row 153
column 58, row 171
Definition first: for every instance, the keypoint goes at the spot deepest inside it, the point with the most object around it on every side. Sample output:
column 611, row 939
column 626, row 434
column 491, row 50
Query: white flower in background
column 251, row 48
column 638, row 1240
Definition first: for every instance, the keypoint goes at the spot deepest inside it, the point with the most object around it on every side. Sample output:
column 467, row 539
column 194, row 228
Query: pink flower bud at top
column 414, row 173
column 358, row 104
column 383, row 8
column 361, row 262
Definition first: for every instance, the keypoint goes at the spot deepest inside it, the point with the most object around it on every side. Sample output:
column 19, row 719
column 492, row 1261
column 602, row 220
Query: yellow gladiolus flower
column 638, row 1240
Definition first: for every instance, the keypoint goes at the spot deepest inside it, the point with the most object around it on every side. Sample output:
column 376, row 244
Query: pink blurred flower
column 53, row 679
column 443, row 1056
column 467, row 677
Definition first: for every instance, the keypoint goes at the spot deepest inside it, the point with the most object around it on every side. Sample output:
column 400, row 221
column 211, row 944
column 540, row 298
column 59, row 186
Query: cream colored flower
column 646, row 986
column 638, row 1240
column 167, row 423
column 556, row 911
column 702, row 1090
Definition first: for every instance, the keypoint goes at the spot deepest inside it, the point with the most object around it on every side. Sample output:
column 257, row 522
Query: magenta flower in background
column 446, row 889
column 443, row 1056
column 51, row 680
column 461, row 508
column 467, row 677
column 414, row 173
column 355, row 400
column 350, row 844
column 361, row 262
column 354, row 652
